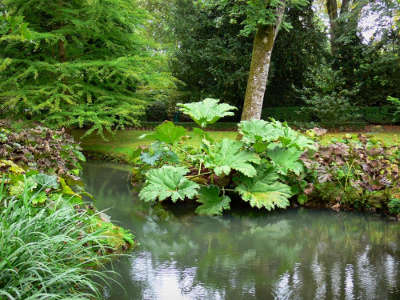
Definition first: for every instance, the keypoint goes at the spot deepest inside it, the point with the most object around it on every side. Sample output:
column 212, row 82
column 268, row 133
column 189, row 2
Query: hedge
column 379, row 115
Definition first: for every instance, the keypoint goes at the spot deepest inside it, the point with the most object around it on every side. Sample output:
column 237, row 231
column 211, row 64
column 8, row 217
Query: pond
column 247, row 254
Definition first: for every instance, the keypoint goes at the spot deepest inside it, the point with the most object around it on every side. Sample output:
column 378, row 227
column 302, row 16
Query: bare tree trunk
column 331, row 6
column 259, row 68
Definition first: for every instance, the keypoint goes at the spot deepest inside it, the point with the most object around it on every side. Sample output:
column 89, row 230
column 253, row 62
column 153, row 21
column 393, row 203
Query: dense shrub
column 379, row 115
column 328, row 100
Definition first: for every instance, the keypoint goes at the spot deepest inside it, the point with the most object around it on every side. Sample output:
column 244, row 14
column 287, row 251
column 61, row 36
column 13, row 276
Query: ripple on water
column 294, row 254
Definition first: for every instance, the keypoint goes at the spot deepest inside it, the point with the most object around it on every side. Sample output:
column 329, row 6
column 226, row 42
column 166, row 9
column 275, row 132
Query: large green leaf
column 286, row 159
column 207, row 111
column 46, row 181
column 257, row 132
column 211, row 202
column 168, row 132
column 229, row 154
column 168, row 182
column 264, row 190
column 292, row 138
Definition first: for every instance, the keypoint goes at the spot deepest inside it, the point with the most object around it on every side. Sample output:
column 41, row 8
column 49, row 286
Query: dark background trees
column 362, row 49
column 212, row 57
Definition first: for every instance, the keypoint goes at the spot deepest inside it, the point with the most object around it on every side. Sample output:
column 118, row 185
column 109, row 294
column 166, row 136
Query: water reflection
column 296, row 254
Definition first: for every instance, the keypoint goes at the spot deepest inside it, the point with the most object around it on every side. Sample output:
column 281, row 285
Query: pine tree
column 78, row 62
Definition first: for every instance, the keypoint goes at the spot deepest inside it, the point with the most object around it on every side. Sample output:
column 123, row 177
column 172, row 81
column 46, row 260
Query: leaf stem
column 198, row 175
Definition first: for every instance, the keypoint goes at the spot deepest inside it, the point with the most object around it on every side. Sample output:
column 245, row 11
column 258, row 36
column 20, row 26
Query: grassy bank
column 121, row 145
column 53, row 245
column 124, row 142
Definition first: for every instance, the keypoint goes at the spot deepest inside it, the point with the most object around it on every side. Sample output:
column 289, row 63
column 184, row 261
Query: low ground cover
column 52, row 244
column 123, row 143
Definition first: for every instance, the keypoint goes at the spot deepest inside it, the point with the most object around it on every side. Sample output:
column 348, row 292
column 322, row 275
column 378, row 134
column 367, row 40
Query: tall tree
column 84, row 63
column 212, row 58
column 263, row 18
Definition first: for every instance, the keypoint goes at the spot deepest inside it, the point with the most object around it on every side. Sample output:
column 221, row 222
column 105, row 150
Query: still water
column 247, row 254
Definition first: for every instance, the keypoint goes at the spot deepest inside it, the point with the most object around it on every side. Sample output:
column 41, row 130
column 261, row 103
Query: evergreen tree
column 79, row 62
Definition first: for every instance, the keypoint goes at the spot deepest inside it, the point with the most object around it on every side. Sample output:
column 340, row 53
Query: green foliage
column 258, row 131
column 168, row 133
column 255, row 13
column 229, row 155
column 212, row 59
column 49, row 253
column 85, row 63
column 264, row 167
column 394, row 206
column 286, row 160
column 168, row 182
column 370, row 65
column 255, row 132
column 303, row 117
column 206, row 112
column 327, row 97
column 264, row 190
column 52, row 245
column 211, row 201
column 396, row 102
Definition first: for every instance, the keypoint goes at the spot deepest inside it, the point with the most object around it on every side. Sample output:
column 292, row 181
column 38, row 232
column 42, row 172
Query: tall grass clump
column 48, row 252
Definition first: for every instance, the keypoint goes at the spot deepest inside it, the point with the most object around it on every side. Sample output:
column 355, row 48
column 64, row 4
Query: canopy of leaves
column 168, row 182
column 211, row 202
column 255, row 12
column 207, row 111
column 264, row 190
column 229, row 155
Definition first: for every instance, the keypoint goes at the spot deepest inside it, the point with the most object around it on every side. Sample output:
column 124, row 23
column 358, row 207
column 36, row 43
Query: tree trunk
column 61, row 51
column 259, row 68
column 331, row 6
column 335, row 27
